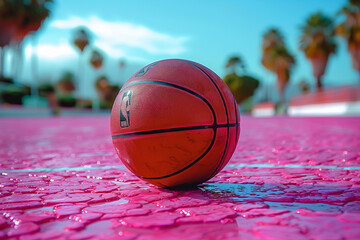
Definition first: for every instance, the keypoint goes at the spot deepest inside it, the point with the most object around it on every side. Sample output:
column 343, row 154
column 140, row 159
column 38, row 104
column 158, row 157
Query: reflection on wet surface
column 94, row 154
column 289, row 178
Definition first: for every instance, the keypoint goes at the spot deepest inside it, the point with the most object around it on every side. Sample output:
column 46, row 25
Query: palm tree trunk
column 20, row 61
column 79, row 76
column 13, row 60
column 282, row 98
column 282, row 79
column 355, row 57
column 281, row 88
column 267, row 88
column 319, row 63
column 17, row 61
column 318, row 83
column 34, row 70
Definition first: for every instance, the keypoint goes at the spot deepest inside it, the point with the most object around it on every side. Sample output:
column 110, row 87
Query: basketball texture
column 175, row 123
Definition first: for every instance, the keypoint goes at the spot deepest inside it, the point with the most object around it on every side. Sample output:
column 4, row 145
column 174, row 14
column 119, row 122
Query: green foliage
column 109, row 99
column 355, row 2
column 96, row 59
column 318, row 43
column 102, row 82
column 318, row 36
column 66, row 83
column 81, row 38
column 45, row 89
column 350, row 28
column 242, row 87
column 235, row 62
column 276, row 56
column 23, row 17
column 84, row 103
column 272, row 38
column 6, row 79
column 106, row 92
column 66, row 100
column 13, row 94
column 67, row 77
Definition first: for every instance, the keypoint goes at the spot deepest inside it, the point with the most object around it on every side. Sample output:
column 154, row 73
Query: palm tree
column 17, row 20
column 102, row 85
column 241, row 86
column 34, row 15
column 277, row 59
column 318, row 43
column 350, row 31
column 106, row 92
column 234, row 63
column 96, row 59
column 80, row 41
column 9, row 22
column 66, row 85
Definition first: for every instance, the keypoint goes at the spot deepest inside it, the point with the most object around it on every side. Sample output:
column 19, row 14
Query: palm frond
column 276, row 56
column 318, row 36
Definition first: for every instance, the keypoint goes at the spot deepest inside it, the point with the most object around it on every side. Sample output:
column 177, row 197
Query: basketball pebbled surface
column 175, row 123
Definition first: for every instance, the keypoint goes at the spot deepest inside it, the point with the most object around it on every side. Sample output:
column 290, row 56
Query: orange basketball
column 175, row 123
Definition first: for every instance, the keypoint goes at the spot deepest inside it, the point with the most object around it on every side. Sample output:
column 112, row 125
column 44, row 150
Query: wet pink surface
column 290, row 178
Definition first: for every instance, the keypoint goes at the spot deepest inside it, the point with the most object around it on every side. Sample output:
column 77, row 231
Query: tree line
column 317, row 42
column 19, row 19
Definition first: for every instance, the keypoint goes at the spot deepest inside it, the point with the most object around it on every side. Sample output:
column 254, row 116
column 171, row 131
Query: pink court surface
column 289, row 178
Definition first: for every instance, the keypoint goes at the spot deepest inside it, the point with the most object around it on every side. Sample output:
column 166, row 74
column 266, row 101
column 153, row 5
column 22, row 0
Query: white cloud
column 52, row 51
column 110, row 49
column 114, row 36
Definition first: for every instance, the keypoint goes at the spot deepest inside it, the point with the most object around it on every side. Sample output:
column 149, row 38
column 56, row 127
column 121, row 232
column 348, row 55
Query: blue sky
column 207, row 32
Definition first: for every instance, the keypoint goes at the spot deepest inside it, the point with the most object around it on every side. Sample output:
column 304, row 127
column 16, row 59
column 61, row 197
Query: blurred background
column 277, row 57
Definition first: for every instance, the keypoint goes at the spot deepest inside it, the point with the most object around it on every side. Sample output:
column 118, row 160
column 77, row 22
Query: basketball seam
column 177, row 87
column 190, row 165
column 215, row 126
column 198, row 96
column 227, row 116
column 237, row 127
column 167, row 130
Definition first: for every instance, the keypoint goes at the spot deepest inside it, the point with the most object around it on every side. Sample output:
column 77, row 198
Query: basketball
column 175, row 123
